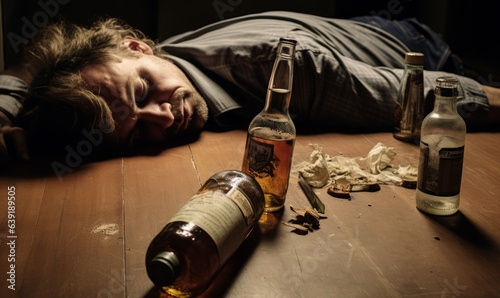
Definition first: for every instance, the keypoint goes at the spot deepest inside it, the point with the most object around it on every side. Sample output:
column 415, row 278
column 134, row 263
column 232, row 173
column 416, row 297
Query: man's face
column 151, row 99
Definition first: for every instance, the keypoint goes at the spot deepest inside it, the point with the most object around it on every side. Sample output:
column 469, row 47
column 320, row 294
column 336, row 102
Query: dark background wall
column 23, row 18
column 472, row 28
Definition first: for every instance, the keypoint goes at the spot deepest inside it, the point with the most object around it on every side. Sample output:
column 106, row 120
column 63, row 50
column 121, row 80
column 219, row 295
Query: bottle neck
column 413, row 76
column 278, row 101
column 445, row 105
column 446, row 94
column 280, row 84
column 164, row 268
column 414, row 67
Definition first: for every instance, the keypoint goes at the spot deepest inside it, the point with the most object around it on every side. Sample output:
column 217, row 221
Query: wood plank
column 68, row 256
column 27, row 198
column 377, row 244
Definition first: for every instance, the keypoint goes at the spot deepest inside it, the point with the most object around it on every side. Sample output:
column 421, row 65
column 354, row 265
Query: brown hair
column 60, row 104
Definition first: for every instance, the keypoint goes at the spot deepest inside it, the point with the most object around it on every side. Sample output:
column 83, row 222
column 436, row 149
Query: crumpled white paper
column 316, row 171
column 376, row 167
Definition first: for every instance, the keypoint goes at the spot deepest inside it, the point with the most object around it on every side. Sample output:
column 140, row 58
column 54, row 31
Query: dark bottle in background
column 409, row 111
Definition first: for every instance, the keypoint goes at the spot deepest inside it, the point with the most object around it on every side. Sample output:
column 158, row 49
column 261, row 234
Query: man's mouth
column 186, row 116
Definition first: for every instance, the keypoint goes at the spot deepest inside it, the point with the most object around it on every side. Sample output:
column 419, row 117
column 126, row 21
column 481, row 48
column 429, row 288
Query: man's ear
column 137, row 45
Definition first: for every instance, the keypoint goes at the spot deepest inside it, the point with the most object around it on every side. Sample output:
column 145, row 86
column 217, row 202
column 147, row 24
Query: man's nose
column 159, row 114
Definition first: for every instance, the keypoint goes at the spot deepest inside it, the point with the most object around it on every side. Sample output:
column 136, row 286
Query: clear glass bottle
column 190, row 250
column 409, row 110
column 442, row 145
column 271, row 134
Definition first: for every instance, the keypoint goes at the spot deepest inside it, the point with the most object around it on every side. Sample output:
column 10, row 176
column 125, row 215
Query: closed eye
column 142, row 92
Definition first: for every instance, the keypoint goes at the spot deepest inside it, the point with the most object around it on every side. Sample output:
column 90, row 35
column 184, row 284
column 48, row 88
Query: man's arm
column 493, row 117
column 13, row 90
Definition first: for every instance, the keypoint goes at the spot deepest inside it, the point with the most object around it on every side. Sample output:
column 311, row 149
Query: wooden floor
column 85, row 233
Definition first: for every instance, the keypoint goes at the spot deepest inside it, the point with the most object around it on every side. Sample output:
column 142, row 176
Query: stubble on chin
column 200, row 111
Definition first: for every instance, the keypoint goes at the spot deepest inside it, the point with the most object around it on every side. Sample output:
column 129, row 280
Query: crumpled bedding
column 376, row 167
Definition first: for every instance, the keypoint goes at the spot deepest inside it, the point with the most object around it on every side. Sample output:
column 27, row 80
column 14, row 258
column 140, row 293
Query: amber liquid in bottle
column 269, row 161
column 271, row 134
column 188, row 240
column 189, row 251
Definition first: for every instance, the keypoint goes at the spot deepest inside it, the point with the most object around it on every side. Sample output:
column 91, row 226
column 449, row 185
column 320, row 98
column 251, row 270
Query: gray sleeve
column 13, row 91
column 472, row 100
column 344, row 93
column 347, row 74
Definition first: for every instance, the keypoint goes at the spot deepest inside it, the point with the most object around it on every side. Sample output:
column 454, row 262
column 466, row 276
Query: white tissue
column 375, row 167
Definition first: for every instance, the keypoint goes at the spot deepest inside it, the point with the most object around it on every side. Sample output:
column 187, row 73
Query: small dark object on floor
column 411, row 184
column 342, row 188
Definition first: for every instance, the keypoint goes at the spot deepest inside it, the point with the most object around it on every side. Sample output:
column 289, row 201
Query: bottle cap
column 163, row 269
column 446, row 86
column 414, row 58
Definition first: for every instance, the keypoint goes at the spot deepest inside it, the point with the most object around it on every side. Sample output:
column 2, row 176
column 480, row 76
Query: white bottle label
column 440, row 170
column 222, row 216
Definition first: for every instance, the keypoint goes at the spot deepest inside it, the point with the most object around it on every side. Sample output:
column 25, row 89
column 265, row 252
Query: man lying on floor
column 110, row 78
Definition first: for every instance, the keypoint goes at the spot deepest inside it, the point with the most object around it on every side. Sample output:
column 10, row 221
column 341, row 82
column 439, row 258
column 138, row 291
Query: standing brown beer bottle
column 271, row 134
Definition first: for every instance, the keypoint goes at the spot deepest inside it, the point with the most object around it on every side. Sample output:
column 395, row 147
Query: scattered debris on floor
column 306, row 220
column 342, row 188
column 375, row 168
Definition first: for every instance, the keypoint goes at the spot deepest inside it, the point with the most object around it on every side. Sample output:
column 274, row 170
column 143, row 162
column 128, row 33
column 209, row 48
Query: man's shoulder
column 250, row 37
